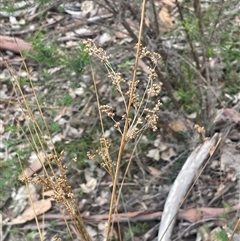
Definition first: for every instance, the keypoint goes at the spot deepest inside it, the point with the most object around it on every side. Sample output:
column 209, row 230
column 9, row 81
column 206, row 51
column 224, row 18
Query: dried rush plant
column 51, row 179
column 144, row 117
column 141, row 106
column 136, row 103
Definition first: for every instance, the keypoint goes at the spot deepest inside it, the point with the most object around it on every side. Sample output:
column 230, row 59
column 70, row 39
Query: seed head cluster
column 103, row 152
column 63, row 193
column 91, row 48
column 132, row 89
column 144, row 116
column 116, row 79
column 154, row 57
column 201, row 131
column 108, row 110
column 56, row 238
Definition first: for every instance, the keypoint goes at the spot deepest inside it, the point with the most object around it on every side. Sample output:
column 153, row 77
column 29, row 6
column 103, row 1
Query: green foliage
column 52, row 224
column 229, row 208
column 9, row 8
column 74, row 84
column 54, row 127
column 230, row 54
column 187, row 89
column 65, row 101
column 137, row 229
column 10, row 170
column 12, row 128
column 186, row 98
column 191, row 26
column 210, row 16
column 78, row 61
column 23, row 81
column 11, row 142
column 210, row 52
column 126, row 64
column 50, row 55
column 31, row 235
column 42, row 2
column 46, row 52
column 232, row 76
column 78, row 148
column 221, row 235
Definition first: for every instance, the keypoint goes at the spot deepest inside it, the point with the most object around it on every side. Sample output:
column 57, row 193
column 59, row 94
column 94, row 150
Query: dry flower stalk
column 138, row 124
column 135, row 101
column 63, row 193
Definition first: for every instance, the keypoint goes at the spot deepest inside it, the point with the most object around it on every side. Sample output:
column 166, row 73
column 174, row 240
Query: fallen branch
column 191, row 215
column 180, row 188
column 13, row 44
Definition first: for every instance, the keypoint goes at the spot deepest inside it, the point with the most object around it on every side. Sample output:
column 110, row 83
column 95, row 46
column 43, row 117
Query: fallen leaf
column 87, row 7
column 104, row 39
column 40, row 207
column 147, row 22
column 154, row 154
column 169, row 3
column 165, row 18
column 157, row 141
column 168, row 154
column 37, row 160
column 232, row 114
column 79, row 91
column 21, row 197
column 154, row 171
column 192, row 116
column 162, row 147
column 103, row 198
column 89, row 186
column 178, row 126
column 48, row 193
column 91, row 231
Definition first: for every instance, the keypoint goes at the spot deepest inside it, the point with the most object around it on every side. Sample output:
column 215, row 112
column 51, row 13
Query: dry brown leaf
column 178, row 126
column 40, row 207
column 37, row 162
column 147, row 22
column 121, row 34
column 48, row 193
column 165, row 18
column 154, row 171
column 169, row 3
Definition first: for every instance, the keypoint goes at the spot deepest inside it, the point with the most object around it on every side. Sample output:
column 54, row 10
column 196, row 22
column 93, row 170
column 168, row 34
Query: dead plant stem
column 123, row 140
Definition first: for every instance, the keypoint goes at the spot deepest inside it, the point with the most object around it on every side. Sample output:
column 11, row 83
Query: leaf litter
column 162, row 149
